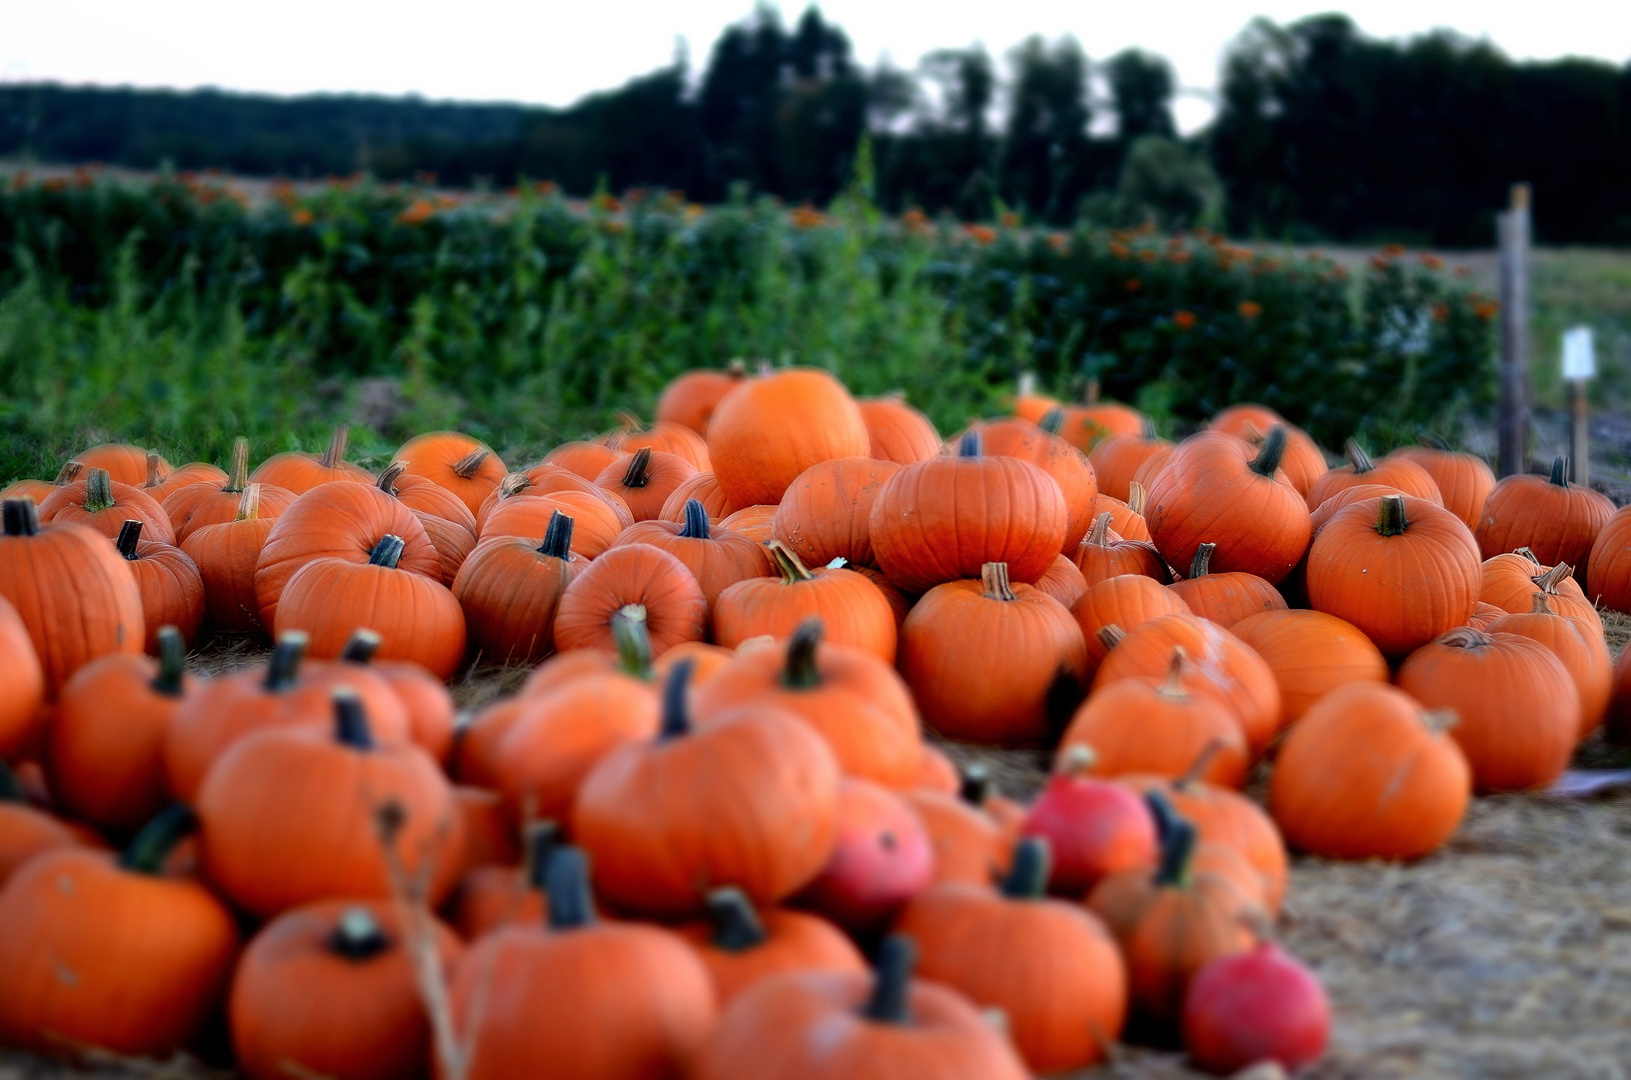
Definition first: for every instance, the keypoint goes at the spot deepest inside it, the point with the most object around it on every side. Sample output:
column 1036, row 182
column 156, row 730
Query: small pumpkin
column 770, row 428
column 1127, row 518
column 1254, row 1007
column 1395, row 472
column 226, row 556
column 545, row 480
column 882, row 858
column 1085, row 426
column 1310, row 654
column 22, row 683
column 161, row 484
column 1577, row 644
column 718, row 558
column 661, row 437
column 755, row 522
column 299, row 472
column 1100, row 556
column 458, row 464
column 596, row 523
column 1126, row 601
column 1510, row 581
column 703, row 487
column 201, row 505
column 171, row 586
column 1093, row 827
column 1225, row 598
column 691, row 397
column 448, row 522
column 1116, row 460
column 826, row 512
column 105, row 506
column 637, row 575
column 645, row 480
column 852, row 610
column 1557, row 520
column 127, row 464
column 587, row 459
column 1464, row 480
column 741, row 946
column 896, row 432
column 1063, row 581
column 509, row 590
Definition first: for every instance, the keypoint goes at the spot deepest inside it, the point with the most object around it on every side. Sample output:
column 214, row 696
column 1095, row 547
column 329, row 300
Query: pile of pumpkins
column 708, row 837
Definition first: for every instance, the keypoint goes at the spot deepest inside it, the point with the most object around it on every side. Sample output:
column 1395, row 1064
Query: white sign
column 1578, row 361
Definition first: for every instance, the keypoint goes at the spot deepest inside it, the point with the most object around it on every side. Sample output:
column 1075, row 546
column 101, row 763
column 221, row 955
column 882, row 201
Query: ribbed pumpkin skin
column 587, row 459
column 1464, row 480
column 1226, row 599
column 1558, row 523
column 1125, row 521
column 1345, row 498
column 1127, row 601
column 1509, row 582
column 943, row 519
column 1208, row 494
column 676, row 609
column 547, row 480
column 691, row 397
column 1401, row 591
column 596, row 525
column 172, row 591
column 417, row 616
column 338, row 521
column 1518, row 711
column 717, row 562
column 1608, row 569
column 771, row 428
column 703, row 487
column 982, row 668
column 130, row 503
column 1063, row 581
column 449, row 460
column 897, row 432
column 754, row 522
column 202, row 505
column 1147, row 472
column 1116, row 461
column 125, row 463
column 645, row 491
column 194, row 472
column 509, row 591
column 1143, row 725
column 794, row 942
column 1065, row 464
column 1582, row 650
column 1483, row 614
column 226, row 556
column 661, row 437
column 1364, row 776
column 1311, row 654
column 450, row 524
column 1085, row 426
column 22, row 682
column 826, row 512
column 1400, row 473
column 1246, row 416
column 853, row 610
column 76, row 596
column 1100, row 558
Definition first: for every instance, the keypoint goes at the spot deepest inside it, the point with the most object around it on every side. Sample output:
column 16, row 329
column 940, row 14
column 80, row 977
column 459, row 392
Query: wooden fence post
column 1513, row 423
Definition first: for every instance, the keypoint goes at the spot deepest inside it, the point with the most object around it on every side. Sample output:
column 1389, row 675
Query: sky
column 554, row 51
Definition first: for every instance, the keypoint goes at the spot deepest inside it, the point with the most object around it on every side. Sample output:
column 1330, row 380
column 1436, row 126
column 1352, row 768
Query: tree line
column 1321, row 133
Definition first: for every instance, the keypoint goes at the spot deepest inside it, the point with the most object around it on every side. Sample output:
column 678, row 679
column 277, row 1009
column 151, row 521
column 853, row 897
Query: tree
column 1141, row 85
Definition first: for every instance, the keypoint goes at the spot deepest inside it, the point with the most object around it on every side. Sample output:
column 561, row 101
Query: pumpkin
column 448, row 522
column 1063, row 581
column 975, row 787
column 1396, row 472
column 691, row 397
column 637, row 575
column 1303, row 462
column 104, row 751
column 1126, row 601
column 546, row 480
column 107, row 953
column 1483, row 614
column 842, row 1026
column 969, row 846
column 854, row 700
column 1126, row 518
column 226, row 556
column 299, row 472
column 645, row 480
column 1033, row 406
column 201, row 505
column 703, row 487
column 1518, row 712
column 1464, row 480
column 988, row 661
column 509, row 590
column 1147, row 725
column 586, row 459
column 1116, row 460
column 475, row 745
column 1310, row 654
column 899, row 603
column 293, row 814
column 1093, row 828
column 826, row 512
column 1065, row 464
column 1225, row 598
column 1617, row 723
column 717, row 559
column 631, row 655
column 596, row 524
column 22, row 683
column 105, row 506
column 1215, row 488
column 706, row 660
column 1100, row 556
column 769, row 429
column 331, row 989
column 852, row 610
column 1368, row 774
column 1510, row 581
column 661, row 437
column 937, row 773
column 417, row 615
column 1403, row 570
column 882, row 858
column 1608, row 568
column 1245, row 416
column 427, row 703
column 1580, row 647
column 36, row 490
column 1218, row 665
column 68, row 585
column 749, row 799
column 896, row 432
column 1048, row 965
column 757, row 523
column 742, row 947
column 495, row 894
column 458, row 464
column 1557, row 520
column 1253, row 1007
column 1085, row 426
column 161, row 484
column 1171, row 922
column 125, row 463
column 941, row 520
column 624, row 1001
column 1344, row 499
column 396, row 694
column 26, row 830
column 171, row 587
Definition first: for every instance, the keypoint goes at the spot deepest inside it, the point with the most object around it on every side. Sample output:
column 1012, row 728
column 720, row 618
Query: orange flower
column 693, row 211
column 1183, row 319
column 1463, row 271
column 1119, row 250
column 418, row 213
column 1178, row 256
column 608, row 203
column 1250, row 309
column 425, row 177
column 1148, row 255
column 1060, row 243
column 1393, row 251
column 982, row 234
column 545, row 188
column 1441, row 311
column 915, row 220
column 301, row 217
column 1432, row 262
column 1132, row 284
column 807, row 217
column 1486, row 309
column 611, row 228
column 1008, row 220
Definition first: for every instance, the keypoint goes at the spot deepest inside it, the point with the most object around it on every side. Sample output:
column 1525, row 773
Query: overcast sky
column 554, row 51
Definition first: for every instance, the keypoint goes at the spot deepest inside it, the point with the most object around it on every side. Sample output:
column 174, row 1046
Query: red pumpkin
column 742, row 947
column 826, row 512
column 882, row 858
column 897, row 432
column 1252, row 1007
column 1557, row 520
column 1093, row 828
column 771, row 428
column 300, row 472
column 596, row 524
column 36, row 490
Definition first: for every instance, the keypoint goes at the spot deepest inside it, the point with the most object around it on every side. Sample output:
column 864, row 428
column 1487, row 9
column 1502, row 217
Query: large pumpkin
column 826, row 513
column 1311, row 654
column 1464, row 480
column 768, row 430
column 1557, row 520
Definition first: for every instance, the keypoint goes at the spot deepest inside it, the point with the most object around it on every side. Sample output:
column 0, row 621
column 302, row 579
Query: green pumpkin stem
column 1201, row 564
column 1147, row 429
column 696, row 521
column 542, row 841
column 153, row 844
column 558, row 537
column 1178, row 840
column 387, row 479
column 357, row 935
column 283, row 667
column 1390, row 519
column 638, row 474
column 801, row 672
column 571, row 906
column 1053, row 421
column 172, row 662
column 1162, row 813
column 98, row 491
column 788, row 563
column 361, row 646
column 350, row 722
column 974, row 787
column 994, row 582
column 737, row 927
column 466, row 466
column 11, row 788
column 1560, row 470
column 633, row 641
column 1028, row 877
column 20, row 517
column 387, row 553
column 969, row 445
column 890, row 992
column 238, row 478
column 1269, row 454
column 1357, row 457
column 130, row 534
column 335, row 454
column 676, row 718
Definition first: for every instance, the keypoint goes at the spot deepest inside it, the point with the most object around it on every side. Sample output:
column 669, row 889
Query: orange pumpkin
column 448, row 522
column 1557, row 520
column 1510, row 581
column 1116, row 460
column 1225, row 598
column 125, row 463
column 897, row 432
column 703, row 487
column 1617, row 724
column 1483, row 614
column 742, row 947
column 771, row 428
column 100, row 503
column 201, row 505
column 596, row 523
column 493, row 894
column 22, row 683
column 458, row 464
column 1311, row 654
column 587, row 459
column 1085, row 426
column 1464, row 480
column 1345, row 498
column 1100, row 556
column 1126, row 518
column 509, row 591
column 541, row 480
column 718, row 559
column 172, row 588
column 826, row 512
column 26, row 830
column 639, row 575
column 36, row 490
column 661, row 437
column 691, row 397
column 853, row 611
column 1125, row 601
column 1608, row 568
column 1064, row 463
column 1396, row 472
column 1063, row 581
column 161, row 484
column 299, row 472
column 226, row 556
column 1303, row 462
column 1147, row 472
column 1580, row 647
column 645, row 480
column 969, row 845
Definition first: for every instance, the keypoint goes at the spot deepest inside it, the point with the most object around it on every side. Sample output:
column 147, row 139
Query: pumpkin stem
column 1028, row 877
column 737, row 368
column 283, row 667
column 1173, row 688
column 638, row 474
column 633, row 640
column 800, row 672
column 387, row 479
column 737, row 927
column 1269, row 454
column 1431, row 441
column 249, row 504
column 513, row 484
column 69, row 473
column 543, row 840
column 350, row 722
column 1540, row 603
column 558, row 536
column 975, row 788
column 1549, row 581
column 130, row 534
column 994, row 581
column 172, row 662
column 336, row 447
column 11, row 789
column 887, row 1003
column 1077, row 759
column 1111, row 635
column 155, row 475
column 1465, row 637
column 787, row 561
column 1099, row 534
column 466, row 466
column 1528, row 553
column 361, row 646
column 969, row 445
column 1162, row 813
column 696, row 521
column 238, row 477
column 1053, row 421
column 1198, row 767
column 1138, row 496
column 1357, row 457
column 153, row 844
column 387, row 553
column 630, row 422
column 676, row 720
column 1201, row 564
column 1177, row 848
column 1390, row 519
column 98, row 491
column 571, row 907
column 357, row 935
column 1560, row 470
